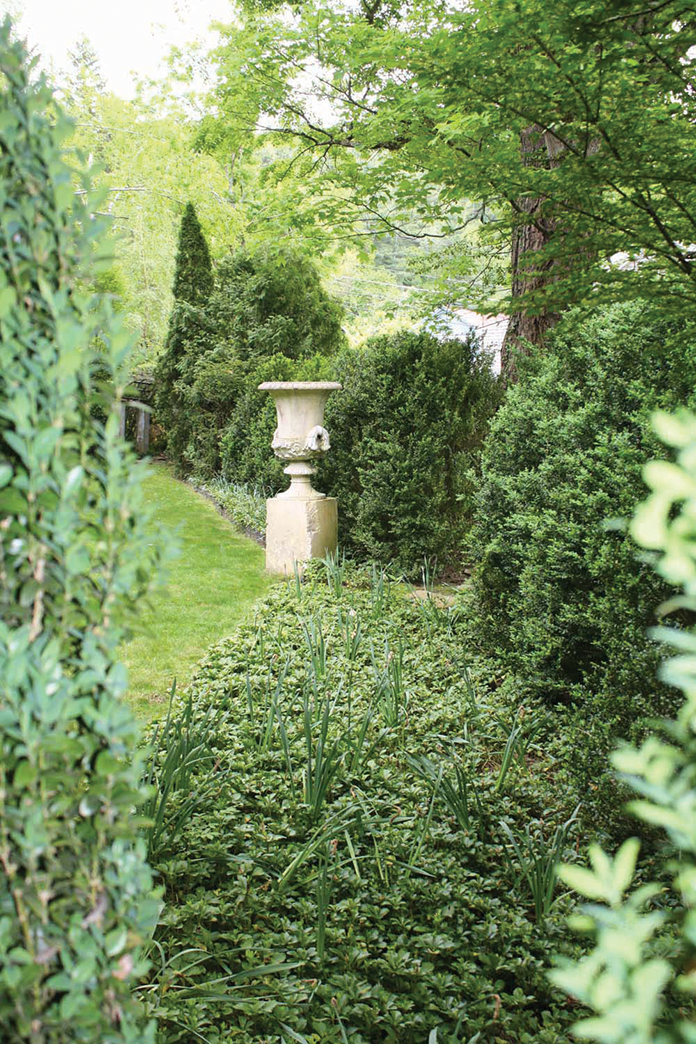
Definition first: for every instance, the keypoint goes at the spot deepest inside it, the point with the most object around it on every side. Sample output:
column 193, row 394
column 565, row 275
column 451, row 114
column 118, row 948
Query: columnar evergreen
column 193, row 284
column 193, row 278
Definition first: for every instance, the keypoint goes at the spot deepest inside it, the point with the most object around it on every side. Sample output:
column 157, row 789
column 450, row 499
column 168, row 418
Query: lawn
column 211, row 587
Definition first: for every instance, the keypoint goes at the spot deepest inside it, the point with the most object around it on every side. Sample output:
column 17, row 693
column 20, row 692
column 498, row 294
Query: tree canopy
column 145, row 162
column 567, row 129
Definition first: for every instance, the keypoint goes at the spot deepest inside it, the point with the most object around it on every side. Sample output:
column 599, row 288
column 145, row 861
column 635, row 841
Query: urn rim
column 300, row 386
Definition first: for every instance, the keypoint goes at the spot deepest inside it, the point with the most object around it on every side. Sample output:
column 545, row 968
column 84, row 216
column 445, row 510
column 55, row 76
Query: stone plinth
column 300, row 523
column 299, row 529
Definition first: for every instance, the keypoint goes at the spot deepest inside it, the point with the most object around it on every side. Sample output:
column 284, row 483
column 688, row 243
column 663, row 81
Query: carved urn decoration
column 301, row 522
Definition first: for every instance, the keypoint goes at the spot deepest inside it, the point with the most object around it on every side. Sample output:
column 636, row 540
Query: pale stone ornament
column 301, row 523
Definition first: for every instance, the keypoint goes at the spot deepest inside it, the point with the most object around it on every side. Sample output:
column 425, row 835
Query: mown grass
column 211, row 587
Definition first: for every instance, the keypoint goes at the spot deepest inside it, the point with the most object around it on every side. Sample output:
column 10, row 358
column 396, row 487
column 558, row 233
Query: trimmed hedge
column 270, row 301
column 562, row 595
column 76, row 557
column 406, row 432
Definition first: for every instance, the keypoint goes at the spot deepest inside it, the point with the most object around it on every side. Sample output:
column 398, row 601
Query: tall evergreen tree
column 193, row 284
column 193, row 277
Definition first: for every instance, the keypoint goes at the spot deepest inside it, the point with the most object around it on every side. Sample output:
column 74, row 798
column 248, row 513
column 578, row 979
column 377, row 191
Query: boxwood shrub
column 405, row 436
column 562, row 595
column 76, row 557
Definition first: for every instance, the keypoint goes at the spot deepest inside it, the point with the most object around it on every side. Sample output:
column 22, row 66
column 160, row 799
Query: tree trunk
column 532, row 232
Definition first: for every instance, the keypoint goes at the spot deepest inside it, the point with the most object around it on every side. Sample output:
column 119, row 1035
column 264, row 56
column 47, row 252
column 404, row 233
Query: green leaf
column 7, row 301
column 116, row 941
column 583, row 881
column 77, row 559
column 106, row 764
column 25, row 775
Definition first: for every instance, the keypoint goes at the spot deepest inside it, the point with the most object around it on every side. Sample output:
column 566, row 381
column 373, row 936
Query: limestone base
column 299, row 529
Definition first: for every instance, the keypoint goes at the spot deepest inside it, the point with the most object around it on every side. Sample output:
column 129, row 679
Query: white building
column 490, row 329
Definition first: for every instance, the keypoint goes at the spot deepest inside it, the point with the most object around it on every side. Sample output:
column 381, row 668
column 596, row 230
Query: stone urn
column 301, row 522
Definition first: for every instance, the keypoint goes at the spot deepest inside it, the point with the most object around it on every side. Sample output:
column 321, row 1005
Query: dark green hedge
column 270, row 301
column 563, row 596
column 405, row 430
column 267, row 310
column 245, row 446
column 405, row 433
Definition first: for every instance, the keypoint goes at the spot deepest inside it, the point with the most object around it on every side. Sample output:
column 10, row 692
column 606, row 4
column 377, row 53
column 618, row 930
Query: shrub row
column 561, row 594
column 265, row 312
column 405, row 434
column 406, row 430
column 643, row 930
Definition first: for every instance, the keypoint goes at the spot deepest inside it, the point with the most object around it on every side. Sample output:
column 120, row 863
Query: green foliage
column 539, row 861
column 188, row 333
column 193, row 275
column 76, row 557
column 179, row 747
column 244, row 506
column 426, row 108
column 149, row 170
column 267, row 319
column 327, row 849
column 405, row 431
column 561, row 596
column 639, row 980
column 245, row 447
column 270, row 301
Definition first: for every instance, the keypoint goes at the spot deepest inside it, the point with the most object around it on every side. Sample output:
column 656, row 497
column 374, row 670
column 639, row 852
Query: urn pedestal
column 301, row 523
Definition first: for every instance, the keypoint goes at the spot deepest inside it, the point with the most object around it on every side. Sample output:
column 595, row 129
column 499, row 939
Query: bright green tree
column 149, row 169
column 570, row 127
column 76, row 558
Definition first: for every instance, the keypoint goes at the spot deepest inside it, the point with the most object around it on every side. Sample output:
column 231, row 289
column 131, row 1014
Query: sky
column 126, row 34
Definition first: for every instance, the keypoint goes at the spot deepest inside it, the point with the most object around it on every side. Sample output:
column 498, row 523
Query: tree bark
column 532, row 232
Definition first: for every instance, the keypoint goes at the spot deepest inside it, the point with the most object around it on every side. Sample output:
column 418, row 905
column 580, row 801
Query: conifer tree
column 193, row 284
column 193, row 277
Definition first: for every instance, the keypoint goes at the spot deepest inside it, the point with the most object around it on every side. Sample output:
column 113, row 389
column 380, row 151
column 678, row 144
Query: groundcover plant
column 369, row 857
